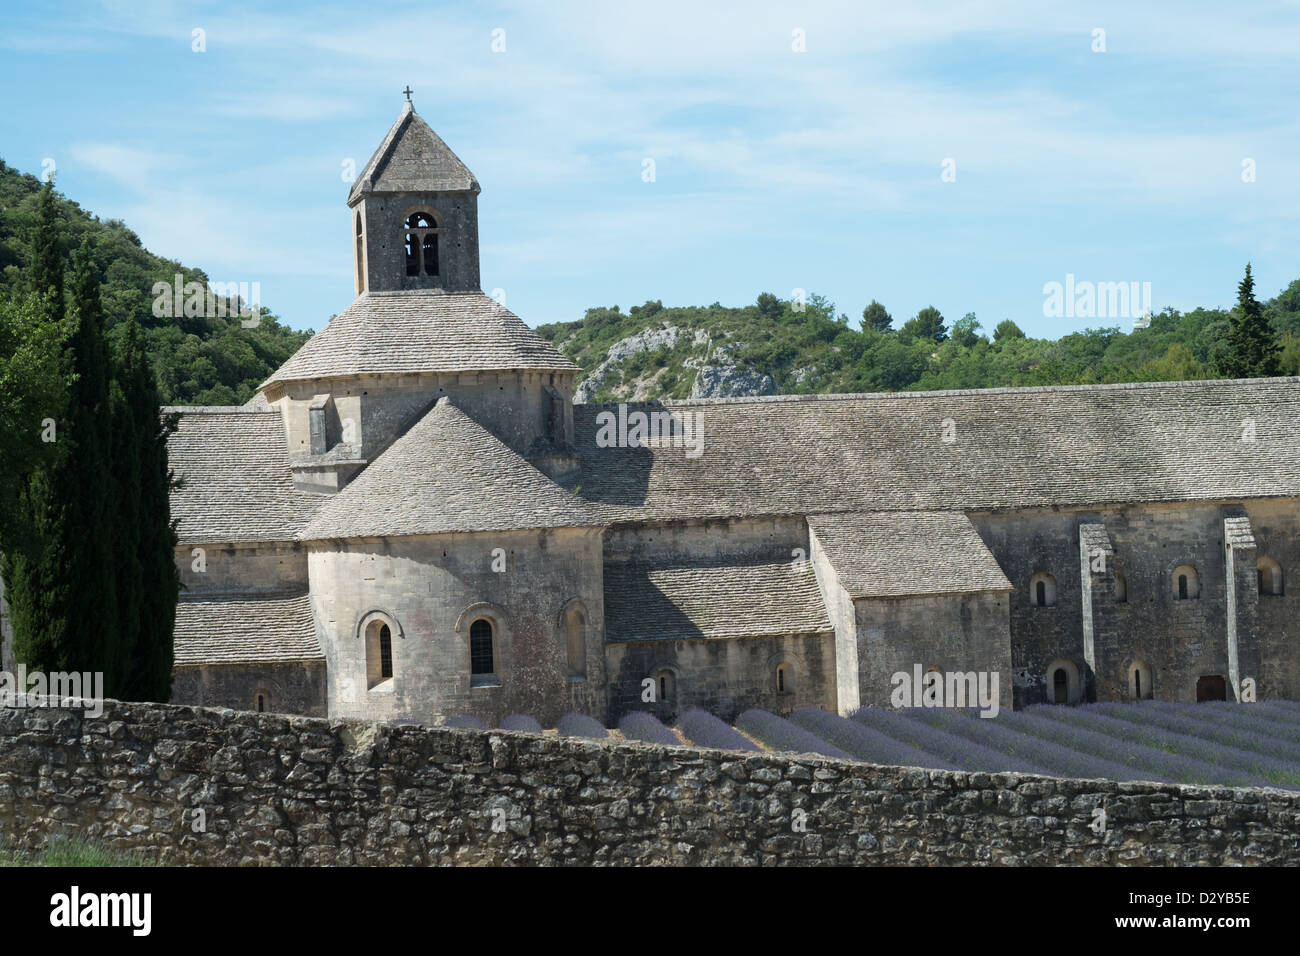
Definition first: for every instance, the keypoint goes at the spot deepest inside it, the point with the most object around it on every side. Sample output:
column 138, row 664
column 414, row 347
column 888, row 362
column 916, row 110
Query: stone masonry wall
column 311, row 791
column 1181, row 640
column 429, row 589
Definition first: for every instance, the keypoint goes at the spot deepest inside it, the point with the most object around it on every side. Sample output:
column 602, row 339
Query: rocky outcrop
column 647, row 340
column 730, row 381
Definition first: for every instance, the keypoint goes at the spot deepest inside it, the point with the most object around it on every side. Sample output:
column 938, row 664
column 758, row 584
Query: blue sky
column 774, row 169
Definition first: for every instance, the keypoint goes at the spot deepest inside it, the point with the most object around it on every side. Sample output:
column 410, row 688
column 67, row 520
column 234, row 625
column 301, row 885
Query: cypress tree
column 152, row 539
column 63, row 598
column 45, row 253
column 129, row 579
column 21, row 563
column 1252, row 345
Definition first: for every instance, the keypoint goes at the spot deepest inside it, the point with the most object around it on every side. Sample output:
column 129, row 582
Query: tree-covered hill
column 774, row 347
column 198, row 361
column 771, row 347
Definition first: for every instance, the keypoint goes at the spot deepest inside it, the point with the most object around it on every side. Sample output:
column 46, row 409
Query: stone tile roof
column 245, row 628
column 237, row 482
column 646, row 601
column 425, row 330
column 903, row 553
column 412, row 159
column 447, row 474
column 1013, row 448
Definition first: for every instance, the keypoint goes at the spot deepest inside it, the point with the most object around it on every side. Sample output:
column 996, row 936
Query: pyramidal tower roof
column 413, row 159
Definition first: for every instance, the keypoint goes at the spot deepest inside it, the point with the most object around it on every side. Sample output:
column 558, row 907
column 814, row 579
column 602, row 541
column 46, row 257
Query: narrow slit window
column 385, row 653
column 480, row 648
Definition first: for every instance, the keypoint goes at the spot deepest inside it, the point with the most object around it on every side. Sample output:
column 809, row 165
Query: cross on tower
column 408, row 91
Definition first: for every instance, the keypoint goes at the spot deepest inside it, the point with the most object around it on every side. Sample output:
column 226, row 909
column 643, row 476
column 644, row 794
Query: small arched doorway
column 1060, row 686
column 1212, row 687
column 1063, row 682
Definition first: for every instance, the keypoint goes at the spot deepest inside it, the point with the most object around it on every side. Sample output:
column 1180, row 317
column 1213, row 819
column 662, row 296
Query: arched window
column 379, row 652
column 385, row 652
column 1042, row 590
column 361, row 253
column 575, row 627
column 421, row 244
column 666, row 685
column 1139, row 681
column 481, row 662
column 1121, row 589
column 1063, row 682
column 1270, row 576
column 262, row 701
column 1186, row 583
column 784, row 678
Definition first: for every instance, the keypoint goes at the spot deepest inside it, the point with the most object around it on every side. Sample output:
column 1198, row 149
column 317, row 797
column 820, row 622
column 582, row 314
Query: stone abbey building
column 414, row 521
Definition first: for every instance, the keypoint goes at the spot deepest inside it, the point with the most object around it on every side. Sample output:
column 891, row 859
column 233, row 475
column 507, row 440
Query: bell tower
column 414, row 214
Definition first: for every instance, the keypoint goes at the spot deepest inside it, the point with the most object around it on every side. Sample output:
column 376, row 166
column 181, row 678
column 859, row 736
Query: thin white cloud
column 137, row 169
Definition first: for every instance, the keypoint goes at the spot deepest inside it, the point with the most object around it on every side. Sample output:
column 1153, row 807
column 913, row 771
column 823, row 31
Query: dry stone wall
column 300, row 790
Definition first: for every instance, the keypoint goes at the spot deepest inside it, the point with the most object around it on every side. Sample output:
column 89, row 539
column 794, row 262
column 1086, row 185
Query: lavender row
column 780, row 734
column 1205, row 728
column 521, row 722
column 704, row 730
column 1057, row 760
column 959, row 751
column 465, row 721
column 1146, row 759
column 1245, row 716
column 1181, row 744
column 863, row 742
column 580, row 725
column 642, row 726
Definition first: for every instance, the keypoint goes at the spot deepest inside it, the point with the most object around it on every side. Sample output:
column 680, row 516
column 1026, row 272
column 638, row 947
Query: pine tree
column 876, row 317
column 155, row 582
column 927, row 324
column 63, row 598
column 1252, row 348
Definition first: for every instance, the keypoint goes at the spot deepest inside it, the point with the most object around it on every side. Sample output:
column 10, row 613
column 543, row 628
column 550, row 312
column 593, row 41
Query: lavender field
column 1252, row 745
column 1256, row 745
